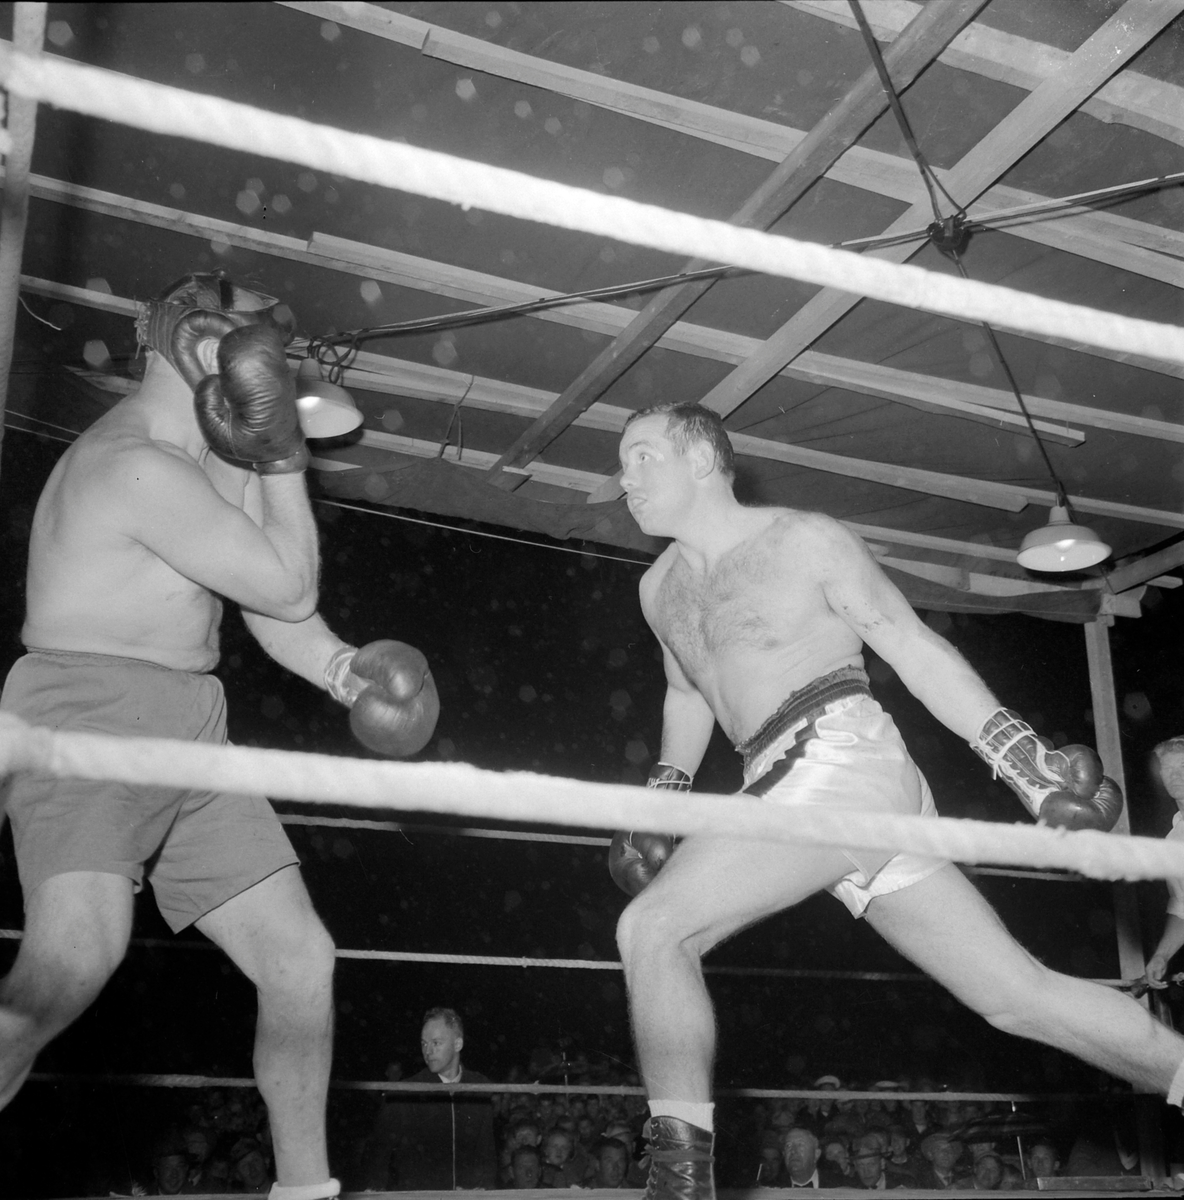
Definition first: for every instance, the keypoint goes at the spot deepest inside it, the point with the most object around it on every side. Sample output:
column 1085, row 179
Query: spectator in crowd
column 526, row 1167
column 987, row 1175
column 623, row 1132
column 250, row 1166
column 868, row 1160
column 901, row 1165
column 438, row 1145
column 523, row 1132
column 768, row 1163
column 836, row 1152
column 170, row 1168
column 941, row 1153
column 559, row 1167
column 1043, row 1160
column 802, row 1157
column 611, row 1159
column 819, row 1108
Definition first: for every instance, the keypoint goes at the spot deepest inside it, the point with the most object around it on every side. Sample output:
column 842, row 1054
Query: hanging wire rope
column 950, row 234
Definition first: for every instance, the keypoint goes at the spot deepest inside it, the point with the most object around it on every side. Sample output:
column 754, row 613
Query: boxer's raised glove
column 634, row 858
column 247, row 412
column 389, row 690
column 1063, row 787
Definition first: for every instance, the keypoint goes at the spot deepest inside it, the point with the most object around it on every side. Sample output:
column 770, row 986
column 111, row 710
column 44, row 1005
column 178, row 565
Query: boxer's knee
column 650, row 928
column 1019, row 1001
column 302, row 960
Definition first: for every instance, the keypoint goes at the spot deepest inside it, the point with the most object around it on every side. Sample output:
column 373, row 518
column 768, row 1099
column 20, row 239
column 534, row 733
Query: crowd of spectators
column 217, row 1141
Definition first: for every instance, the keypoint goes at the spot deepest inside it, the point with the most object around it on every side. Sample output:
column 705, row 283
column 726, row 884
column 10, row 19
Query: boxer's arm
column 1169, row 943
column 304, row 647
column 870, row 604
column 687, row 720
column 167, row 503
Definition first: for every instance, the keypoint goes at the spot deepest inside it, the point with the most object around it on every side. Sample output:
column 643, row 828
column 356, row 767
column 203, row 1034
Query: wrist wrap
column 665, row 775
column 340, row 683
column 1026, row 763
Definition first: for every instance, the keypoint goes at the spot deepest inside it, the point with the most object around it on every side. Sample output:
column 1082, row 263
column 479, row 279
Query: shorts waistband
column 89, row 658
column 804, row 707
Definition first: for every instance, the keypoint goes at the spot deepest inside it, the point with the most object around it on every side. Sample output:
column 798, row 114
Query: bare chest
column 747, row 602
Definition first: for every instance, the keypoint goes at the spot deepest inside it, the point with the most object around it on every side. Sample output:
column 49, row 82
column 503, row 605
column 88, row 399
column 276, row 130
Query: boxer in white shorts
column 762, row 615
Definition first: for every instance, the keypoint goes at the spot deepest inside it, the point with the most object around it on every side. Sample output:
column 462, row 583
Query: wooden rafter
column 838, row 130
column 1117, row 241
column 1111, row 45
column 950, row 397
column 1129, row 98
column 462, row 283
column 382, row 374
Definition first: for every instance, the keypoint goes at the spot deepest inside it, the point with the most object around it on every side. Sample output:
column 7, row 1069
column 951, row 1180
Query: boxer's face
column 654, row 475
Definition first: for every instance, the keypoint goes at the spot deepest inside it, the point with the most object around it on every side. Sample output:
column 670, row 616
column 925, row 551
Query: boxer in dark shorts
column 188, row 490
column 198, row 848
column 762, row 615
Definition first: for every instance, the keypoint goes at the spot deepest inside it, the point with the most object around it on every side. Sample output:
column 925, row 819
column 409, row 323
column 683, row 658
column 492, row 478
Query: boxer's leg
column 946, row 927
column 77, row 927
column 272, row 934
column 708, row 890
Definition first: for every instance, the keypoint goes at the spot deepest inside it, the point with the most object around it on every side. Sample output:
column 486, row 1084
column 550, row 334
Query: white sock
column 1176, row 1088
column 325, row 1190
column 699, row 1115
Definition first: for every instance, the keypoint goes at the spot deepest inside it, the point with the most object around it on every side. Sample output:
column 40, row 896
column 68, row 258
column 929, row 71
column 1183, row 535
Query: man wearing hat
column 941, row 1153
column 868, row 1157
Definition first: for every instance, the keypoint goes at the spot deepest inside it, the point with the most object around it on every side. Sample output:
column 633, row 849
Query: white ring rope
column 567, row 1089
column 463, row 790
column 173, row 111
column 500, row 835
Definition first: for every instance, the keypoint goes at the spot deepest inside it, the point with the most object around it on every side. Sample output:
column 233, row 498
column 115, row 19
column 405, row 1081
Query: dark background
column 543, row 662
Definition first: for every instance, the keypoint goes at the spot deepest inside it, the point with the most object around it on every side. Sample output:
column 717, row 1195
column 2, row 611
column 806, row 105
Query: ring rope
column 572, row 964
column 464, row 790
column 507, row 835
column 172, row 111
column 579, row 1088
column 564, row 839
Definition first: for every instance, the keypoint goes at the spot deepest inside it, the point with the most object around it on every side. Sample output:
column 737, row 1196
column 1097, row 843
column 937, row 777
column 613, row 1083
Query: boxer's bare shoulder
column 119, row 519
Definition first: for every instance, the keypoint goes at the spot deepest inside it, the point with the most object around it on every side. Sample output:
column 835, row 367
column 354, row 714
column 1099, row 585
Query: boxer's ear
column 702, row 459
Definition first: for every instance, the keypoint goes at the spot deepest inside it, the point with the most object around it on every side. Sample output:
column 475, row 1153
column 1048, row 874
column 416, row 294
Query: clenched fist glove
column 1063, row 787
column 389, row 690
column 634, row 858
column 247, row 412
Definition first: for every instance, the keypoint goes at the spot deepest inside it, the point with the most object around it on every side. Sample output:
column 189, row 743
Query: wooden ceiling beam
column 839, row 129
column 1112, row 44
column 461, row 283
column 379, row 373
column 1118, row 241
column 1130, row 98
column 1144, row 570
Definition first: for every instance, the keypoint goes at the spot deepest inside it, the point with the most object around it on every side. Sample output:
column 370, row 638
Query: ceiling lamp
column 1062, row 545
column 325, row 409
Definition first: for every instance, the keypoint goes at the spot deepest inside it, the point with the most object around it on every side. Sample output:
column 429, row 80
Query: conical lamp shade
column 1061, row 545
column 325, row 410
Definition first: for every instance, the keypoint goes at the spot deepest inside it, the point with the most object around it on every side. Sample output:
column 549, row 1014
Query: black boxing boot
column 680, row 1161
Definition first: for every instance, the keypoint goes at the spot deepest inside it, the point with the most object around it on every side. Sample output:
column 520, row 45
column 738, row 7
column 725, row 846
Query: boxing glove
column 1063, row 787
column 247, row 412
column 389, row 690
column 634, row 858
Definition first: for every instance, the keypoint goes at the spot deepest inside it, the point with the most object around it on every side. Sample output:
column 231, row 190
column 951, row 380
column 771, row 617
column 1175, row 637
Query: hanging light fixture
column 1062, row 544
column 326, row 410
